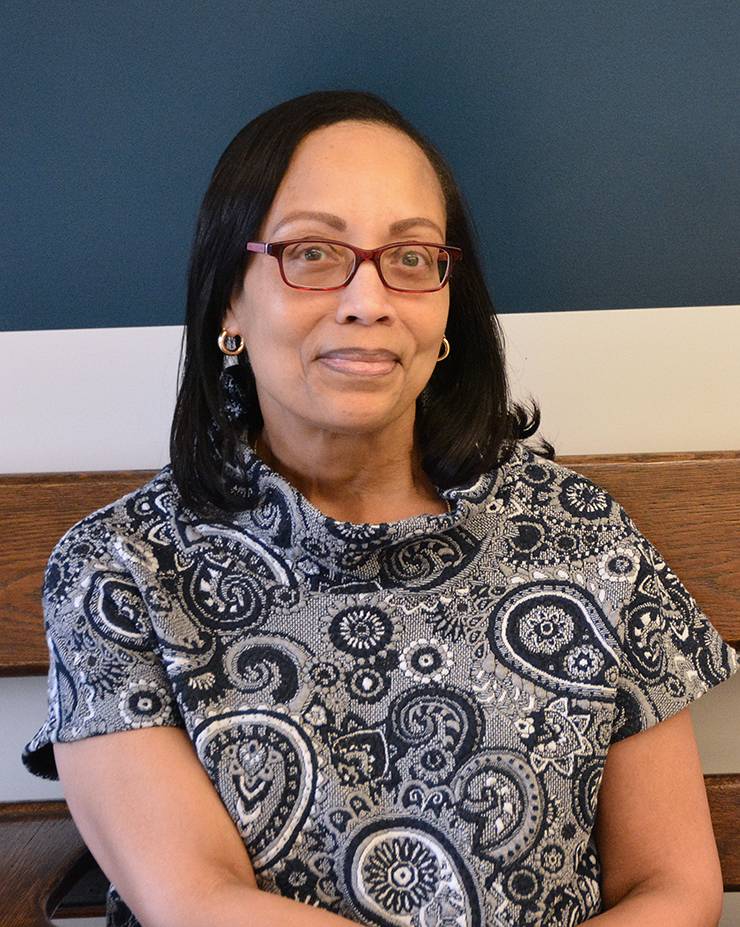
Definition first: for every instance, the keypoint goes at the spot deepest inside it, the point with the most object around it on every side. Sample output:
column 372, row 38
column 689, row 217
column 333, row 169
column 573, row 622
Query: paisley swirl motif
column 226, row 593
column 113, row 606
column 554, row 634
column 676, row 597
column 274, row 516
column 64, row 696
column 633, row 710
column 175, row 538
column 645, row 637
column 428, row 562
column 569, row 905
column 265, row 770
column 55, row 578
column 390, row 552
column 268, row 666
column 403, row 871
column 360, row 757
column 584, row 805
column 713, row 660
column 498, row 792
column 431, row 730
column 62, row 570
column 238, row 599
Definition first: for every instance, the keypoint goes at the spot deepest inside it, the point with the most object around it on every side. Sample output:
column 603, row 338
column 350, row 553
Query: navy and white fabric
column 407, row 722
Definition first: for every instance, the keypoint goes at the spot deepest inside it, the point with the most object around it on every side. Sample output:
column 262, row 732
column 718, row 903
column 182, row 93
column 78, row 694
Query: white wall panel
column 608, row 381
column 630, row 380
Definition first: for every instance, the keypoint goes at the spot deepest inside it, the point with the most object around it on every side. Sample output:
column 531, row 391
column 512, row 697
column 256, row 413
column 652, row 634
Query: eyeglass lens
column 408, row 266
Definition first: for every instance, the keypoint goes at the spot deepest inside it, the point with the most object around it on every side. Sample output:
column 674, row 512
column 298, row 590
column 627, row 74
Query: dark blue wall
column 597, row 142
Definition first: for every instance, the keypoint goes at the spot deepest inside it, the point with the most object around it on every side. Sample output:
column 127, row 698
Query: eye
column 311, row 252
column 416, row 258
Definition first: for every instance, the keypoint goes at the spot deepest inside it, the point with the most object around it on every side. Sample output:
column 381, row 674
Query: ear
column 229, row 321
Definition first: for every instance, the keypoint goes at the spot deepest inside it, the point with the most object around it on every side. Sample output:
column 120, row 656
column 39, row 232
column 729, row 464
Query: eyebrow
column 395, row 228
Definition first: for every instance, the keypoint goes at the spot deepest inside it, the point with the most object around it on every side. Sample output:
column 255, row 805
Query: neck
column 355, row 478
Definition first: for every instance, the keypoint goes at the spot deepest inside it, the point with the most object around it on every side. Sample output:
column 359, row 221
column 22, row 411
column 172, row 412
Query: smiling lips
column 360, row 361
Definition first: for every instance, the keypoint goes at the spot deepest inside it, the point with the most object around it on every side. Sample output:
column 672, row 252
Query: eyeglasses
column 324, row 264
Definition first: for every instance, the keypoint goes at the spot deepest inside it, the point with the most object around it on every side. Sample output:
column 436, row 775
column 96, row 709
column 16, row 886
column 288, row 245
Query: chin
column 353, row 424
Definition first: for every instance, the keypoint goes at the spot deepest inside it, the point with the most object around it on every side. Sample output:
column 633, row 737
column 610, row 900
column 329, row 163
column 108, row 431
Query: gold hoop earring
column 446, row 349
column 222, row 343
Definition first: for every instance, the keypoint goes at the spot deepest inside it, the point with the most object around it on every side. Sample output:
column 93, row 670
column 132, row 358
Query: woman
column 362, row 656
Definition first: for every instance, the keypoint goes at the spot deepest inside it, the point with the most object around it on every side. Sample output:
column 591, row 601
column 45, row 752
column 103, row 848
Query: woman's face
column 367, row 177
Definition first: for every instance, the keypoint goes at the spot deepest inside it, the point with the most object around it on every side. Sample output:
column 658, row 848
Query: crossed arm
column 154, row 822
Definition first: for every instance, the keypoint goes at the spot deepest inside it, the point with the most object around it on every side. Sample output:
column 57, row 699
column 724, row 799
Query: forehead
column 358, row 166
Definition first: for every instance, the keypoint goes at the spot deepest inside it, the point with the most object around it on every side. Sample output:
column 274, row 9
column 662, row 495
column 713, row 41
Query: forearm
column 656, row 906
column 234, row 904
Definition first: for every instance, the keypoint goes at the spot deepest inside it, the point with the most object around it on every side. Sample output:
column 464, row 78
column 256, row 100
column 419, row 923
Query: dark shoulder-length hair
column 466, row 423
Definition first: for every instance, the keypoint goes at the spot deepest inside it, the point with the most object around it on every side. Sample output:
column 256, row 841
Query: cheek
column 278, row 338
column 263, row 316
column 435, row 325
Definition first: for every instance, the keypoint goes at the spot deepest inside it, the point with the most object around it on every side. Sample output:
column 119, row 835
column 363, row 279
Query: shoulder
column 117, row 534
column 552, row 522
column 554, row 492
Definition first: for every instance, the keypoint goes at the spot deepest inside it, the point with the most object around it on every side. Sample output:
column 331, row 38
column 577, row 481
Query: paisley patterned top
column 407, row 722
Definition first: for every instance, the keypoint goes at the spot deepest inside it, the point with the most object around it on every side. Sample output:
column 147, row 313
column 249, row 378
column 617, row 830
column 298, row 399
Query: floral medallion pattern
column 406, row 873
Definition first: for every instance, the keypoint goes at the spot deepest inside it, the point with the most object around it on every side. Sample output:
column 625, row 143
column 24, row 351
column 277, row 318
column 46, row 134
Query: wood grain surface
column 723, row 793
column 42, row 855
column 687, row 504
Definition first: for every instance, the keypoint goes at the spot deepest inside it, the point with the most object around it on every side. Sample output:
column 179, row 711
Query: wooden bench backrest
column 687, row 504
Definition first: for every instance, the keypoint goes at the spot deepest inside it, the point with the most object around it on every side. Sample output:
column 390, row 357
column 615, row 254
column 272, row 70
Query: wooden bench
column 687, row 504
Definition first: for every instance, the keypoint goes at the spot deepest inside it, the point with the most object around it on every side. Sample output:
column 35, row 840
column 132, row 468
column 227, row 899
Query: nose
column 365, row 298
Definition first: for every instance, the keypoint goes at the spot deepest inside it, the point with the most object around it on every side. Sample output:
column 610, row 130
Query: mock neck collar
column 408, row 552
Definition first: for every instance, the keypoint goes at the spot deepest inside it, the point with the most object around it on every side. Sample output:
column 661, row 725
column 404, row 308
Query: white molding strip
column 630, row 380
column 607, row 381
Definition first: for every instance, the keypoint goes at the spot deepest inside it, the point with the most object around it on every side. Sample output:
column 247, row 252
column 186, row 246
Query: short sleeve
column 671, row 652
column 105, row 674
